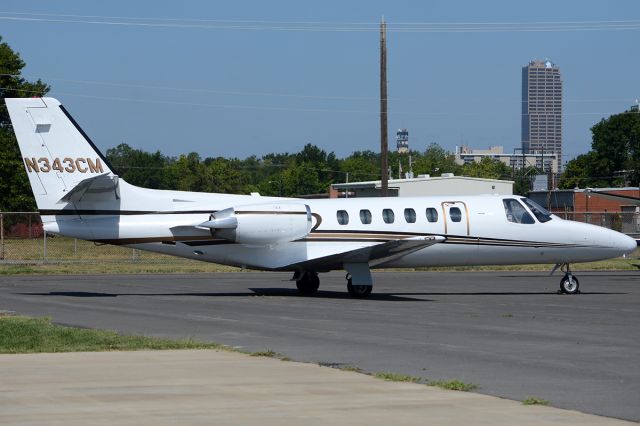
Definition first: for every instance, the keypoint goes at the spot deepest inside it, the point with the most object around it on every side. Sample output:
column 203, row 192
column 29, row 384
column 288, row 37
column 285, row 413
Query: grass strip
column 30, row 335
column 532, row 400
column 268, row 353
column 173, row 266
column 395, row 377
column 454, row 384
column 185, row 266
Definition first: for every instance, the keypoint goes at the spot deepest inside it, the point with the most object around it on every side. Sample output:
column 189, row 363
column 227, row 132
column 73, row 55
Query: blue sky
column 189, row 85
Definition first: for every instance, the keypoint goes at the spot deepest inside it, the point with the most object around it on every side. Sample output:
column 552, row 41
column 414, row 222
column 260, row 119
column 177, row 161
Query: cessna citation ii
column 79, row 195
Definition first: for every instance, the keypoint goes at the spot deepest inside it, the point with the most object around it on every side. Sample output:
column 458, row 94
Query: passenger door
column 456, row 218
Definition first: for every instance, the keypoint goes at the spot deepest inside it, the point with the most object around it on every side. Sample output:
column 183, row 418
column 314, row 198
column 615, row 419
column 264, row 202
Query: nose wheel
column 569, row 284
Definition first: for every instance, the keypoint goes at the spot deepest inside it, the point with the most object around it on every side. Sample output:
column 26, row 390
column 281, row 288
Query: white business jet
column 79, row 195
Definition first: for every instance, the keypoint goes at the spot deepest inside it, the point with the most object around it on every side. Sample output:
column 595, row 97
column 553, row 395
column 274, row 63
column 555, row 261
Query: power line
column 478, row 27
column 324, row 110
column 292, row 95
column 375, row 24
column 192, row 90
column 333, row 23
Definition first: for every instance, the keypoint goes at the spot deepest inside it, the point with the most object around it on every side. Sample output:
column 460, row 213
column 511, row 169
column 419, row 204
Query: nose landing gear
column 569, row 284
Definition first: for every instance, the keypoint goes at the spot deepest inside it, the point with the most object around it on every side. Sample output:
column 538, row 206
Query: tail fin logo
column 65, row 165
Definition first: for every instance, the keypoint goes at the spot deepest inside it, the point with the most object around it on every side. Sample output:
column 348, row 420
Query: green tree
column 327, row 165
column 488, row 168
column 188, row 173
column 617, row 142
column 614, row 158
column 582, row 171
column 361, row 166
column 301, row 179
column 435, row 161
column 139, row 167
column 523, row 180
column 14, row 184
column 227, row 176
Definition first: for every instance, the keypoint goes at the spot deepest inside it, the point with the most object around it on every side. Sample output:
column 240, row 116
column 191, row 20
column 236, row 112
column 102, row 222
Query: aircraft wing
column 372, row 255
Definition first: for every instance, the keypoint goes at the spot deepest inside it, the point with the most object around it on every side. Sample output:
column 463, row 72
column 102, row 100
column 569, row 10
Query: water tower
column 402, row 140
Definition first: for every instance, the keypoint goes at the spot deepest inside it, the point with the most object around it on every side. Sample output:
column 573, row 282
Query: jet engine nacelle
column 261, row 224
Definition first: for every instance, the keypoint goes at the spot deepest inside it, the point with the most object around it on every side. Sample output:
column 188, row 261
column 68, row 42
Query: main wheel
column 308, row 284
column 358, row 291
column 569, row 284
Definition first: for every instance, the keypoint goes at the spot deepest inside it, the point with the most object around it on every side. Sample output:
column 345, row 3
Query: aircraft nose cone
column 625, row 243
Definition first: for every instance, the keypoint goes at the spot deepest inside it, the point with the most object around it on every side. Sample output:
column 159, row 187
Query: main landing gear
column 308, row 283
column 357, row 291
column 569, row 284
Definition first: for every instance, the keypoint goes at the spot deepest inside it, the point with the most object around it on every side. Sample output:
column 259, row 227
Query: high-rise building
column 542, row 109
column 402, row 140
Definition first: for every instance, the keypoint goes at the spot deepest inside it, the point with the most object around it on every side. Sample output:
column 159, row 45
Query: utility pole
column 384, row 143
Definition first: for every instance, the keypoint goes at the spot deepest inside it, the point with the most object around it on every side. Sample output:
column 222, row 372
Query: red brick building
column 583, row 200
column 597, row 207
column 592, row 202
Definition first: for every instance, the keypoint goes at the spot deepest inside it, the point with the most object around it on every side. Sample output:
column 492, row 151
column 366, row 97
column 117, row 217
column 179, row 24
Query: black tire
column 358, row 291
column 569, row 284
column 309, row 284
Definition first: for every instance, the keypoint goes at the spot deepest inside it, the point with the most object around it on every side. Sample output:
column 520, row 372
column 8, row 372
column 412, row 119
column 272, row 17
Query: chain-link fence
column 626, row 222
column 23, row 240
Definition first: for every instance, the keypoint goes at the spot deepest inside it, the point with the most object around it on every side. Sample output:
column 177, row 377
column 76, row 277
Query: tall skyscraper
column 542, row 109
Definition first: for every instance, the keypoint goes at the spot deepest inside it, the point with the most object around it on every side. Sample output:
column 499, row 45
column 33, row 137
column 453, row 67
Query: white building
column 423, row 185
column 541, row 161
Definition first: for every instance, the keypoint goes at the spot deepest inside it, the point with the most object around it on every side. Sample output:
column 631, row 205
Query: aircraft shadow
column 505, row 293
column 282, row 292
column 578, row 274
column 286, row 292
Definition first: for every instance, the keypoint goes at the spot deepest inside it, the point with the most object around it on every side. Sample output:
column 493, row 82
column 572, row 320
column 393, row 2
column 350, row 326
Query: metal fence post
column 44, row 247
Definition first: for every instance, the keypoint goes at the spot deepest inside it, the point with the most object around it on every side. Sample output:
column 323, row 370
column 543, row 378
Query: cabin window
column 540, row 212
column 343, row 217
column 455, row 214
column 365, row 217
column 432, row 214
column 388, row 216
column 410, row 215
column 516, row 213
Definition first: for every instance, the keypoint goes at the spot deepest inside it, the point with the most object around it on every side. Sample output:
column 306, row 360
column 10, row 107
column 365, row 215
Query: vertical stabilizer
column 56, row 153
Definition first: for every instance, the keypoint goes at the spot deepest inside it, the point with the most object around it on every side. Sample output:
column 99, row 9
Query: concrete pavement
column 225, row 388
column 508, row 332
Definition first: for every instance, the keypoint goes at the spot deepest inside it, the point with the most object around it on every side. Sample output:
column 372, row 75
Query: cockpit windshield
column 542, row 214
column 515, row 212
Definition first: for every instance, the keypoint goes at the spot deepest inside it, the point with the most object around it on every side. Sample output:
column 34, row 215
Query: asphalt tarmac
column 508, row 332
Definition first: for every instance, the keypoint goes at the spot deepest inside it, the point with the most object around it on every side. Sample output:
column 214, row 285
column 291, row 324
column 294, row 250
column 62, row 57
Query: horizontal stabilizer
column 102, row 185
